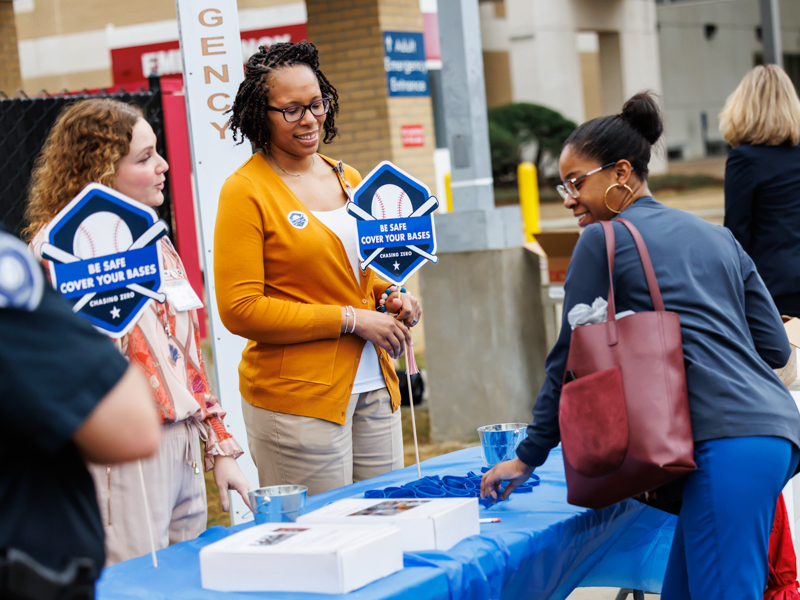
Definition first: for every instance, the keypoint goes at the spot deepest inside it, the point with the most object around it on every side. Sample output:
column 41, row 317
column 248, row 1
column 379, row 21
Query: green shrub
column 504, row 148
column 518, row 123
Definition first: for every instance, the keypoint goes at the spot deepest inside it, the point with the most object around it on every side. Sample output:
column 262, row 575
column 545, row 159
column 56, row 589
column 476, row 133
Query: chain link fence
column 24, row 125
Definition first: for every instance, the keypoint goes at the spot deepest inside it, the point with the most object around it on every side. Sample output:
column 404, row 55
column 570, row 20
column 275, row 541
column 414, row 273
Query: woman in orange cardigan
column 320, row 394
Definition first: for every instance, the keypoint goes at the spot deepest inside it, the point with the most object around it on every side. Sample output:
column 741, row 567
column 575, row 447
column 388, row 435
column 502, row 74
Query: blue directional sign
column 396, row 233
column 105, row 258
column 404, row 62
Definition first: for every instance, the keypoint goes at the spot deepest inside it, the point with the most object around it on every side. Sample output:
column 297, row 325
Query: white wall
column 494, row 31
column 543, row 42
column 545, row 66
column 698, row 73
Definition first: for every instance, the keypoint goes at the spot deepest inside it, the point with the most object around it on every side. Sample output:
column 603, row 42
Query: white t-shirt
column 369, row 375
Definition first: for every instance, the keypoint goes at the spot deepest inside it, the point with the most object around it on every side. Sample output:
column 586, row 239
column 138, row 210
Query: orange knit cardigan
column 281, row 278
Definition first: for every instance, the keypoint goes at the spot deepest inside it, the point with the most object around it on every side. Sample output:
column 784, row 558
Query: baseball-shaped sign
column 87, row 244
column 394, row 220
column 391, row 202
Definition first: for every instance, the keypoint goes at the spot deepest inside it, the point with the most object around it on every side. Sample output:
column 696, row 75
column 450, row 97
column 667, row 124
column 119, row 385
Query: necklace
column 287, row 172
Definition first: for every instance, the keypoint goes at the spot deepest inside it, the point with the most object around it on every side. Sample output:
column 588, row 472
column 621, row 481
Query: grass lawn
column 426, row 448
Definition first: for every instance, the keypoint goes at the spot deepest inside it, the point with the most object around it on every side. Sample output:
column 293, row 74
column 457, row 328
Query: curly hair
column 249, row 110
column 84, row 146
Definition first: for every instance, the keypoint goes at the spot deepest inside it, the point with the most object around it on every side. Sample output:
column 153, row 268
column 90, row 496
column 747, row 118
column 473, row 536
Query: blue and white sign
column 404, row 61
column 104, row 257
column 396, row 233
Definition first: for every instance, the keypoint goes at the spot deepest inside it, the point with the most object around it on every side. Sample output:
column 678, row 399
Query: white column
column 629, row 51
column 211, row 48
column 641, row 62
column 545, row 66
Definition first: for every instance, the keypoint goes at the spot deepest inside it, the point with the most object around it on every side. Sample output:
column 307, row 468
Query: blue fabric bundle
column 449, row 486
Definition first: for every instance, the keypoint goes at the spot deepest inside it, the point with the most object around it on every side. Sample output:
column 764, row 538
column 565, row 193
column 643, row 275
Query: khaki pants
column 175, row 493
column 289, row 449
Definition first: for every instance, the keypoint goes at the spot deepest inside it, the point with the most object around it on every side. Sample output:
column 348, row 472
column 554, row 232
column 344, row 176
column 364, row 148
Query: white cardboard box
column 295, row 557
column 426, row 524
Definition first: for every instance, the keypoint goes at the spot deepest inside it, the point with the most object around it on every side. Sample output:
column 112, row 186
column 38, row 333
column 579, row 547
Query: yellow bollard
column 448, row 192
column 529, row 198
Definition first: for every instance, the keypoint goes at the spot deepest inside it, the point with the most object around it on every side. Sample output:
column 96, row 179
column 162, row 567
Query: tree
column 516, row 124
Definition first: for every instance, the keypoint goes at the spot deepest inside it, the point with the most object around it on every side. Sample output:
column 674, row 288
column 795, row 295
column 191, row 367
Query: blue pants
column 721, row 541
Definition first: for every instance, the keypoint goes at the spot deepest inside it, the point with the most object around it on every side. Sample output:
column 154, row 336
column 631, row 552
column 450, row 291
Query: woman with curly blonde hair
column 109, row 142
column 761, row 120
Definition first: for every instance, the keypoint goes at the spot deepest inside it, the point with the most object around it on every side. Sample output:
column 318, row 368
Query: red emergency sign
column 412, row 135
column 136, row 63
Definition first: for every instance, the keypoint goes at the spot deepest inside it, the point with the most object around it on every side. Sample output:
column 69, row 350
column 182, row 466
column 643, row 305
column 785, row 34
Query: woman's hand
column 383, row 330
column 514, row 470
column 228, row 476
column 404, row 306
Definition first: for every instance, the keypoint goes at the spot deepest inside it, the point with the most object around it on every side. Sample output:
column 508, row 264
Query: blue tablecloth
column 543, row 548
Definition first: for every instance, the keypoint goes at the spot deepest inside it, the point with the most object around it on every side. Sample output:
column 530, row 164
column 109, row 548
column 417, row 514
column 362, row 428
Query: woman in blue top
column 745, row 424
column 761, row 120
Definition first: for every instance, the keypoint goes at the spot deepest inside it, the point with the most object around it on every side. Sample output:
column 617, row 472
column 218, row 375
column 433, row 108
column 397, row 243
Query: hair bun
column 641, row 111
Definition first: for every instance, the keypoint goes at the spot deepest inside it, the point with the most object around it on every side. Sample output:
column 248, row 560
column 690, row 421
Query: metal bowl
column 499, row 442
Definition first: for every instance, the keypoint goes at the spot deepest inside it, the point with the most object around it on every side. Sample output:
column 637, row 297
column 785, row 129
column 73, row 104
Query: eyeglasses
column 568, row 189
column 296, row 112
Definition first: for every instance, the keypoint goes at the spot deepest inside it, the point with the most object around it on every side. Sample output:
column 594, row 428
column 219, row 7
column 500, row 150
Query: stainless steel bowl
column 500, row 441
column 278, row 503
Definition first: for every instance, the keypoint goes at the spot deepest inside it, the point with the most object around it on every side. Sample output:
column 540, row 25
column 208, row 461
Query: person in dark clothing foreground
column 66, row 396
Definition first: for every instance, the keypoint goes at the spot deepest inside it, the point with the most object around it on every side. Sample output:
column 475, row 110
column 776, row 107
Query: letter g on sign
column 214, row 20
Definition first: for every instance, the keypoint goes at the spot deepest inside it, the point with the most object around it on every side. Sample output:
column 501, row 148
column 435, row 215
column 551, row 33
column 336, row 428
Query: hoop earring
column 630, row 191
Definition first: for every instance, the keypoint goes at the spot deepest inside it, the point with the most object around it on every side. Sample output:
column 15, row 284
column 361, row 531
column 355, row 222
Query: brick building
column 9, row 58
column 77, row 44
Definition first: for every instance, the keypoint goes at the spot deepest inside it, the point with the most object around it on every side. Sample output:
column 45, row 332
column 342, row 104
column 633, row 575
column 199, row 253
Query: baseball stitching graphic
column 391, row 202
column 100, row 234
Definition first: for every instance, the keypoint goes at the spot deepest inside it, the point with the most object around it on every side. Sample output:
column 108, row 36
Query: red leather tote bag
column 624, row 420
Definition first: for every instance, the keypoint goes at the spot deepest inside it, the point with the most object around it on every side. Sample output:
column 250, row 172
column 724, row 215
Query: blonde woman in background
column 761, row 120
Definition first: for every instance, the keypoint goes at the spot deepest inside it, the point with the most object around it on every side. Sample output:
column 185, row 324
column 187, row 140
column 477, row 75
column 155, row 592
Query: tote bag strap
column 649, row 273
column 611, row 312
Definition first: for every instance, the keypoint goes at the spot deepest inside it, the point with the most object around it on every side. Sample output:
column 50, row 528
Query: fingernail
column 224, row 508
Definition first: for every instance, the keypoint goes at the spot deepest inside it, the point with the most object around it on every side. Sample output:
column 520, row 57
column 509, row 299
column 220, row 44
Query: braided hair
column 249, row 111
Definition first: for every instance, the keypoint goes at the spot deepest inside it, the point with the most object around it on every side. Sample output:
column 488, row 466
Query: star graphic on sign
column 396, row 266
column 115, row 313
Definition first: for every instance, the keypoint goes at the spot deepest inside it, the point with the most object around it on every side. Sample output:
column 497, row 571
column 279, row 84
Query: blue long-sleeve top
column 732, row 333
column 762, row 209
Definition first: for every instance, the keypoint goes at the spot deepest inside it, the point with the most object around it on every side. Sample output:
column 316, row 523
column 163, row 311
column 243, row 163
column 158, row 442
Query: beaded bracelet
column 385, row 295
column 346, row 319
